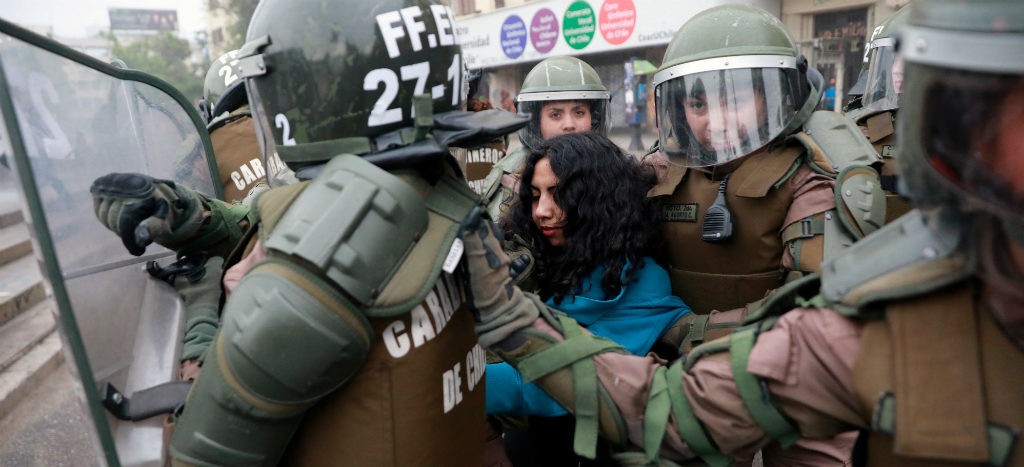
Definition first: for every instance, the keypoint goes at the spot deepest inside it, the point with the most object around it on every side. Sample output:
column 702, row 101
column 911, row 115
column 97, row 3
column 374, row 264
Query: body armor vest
column 237, row 151
column 419, row 398
column 732, row 273
column 941, row 382
column 881, row 132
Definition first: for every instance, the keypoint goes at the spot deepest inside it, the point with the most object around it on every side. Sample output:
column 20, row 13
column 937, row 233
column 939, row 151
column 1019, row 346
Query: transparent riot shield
column 66, row 119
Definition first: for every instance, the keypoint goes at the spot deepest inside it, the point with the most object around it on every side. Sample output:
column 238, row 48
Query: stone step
column 21, row 287
column 14, row 243
column 19, row 379
column 24, row 332
column 10, row 208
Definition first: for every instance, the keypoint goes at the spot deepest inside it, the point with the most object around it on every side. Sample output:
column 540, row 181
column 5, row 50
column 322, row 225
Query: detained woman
column 582, row 209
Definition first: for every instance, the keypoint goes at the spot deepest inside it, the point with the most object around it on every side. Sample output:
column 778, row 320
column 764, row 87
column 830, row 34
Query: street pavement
column 49, row 426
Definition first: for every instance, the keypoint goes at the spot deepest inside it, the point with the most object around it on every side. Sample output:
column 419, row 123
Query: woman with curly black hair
column 584, row 213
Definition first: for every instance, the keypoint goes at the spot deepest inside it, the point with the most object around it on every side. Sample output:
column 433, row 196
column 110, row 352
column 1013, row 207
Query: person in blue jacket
column 583, row 211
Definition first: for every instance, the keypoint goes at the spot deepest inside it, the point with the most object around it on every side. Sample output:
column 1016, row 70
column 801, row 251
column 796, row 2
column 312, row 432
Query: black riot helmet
column 223, row 89
column 348, row 77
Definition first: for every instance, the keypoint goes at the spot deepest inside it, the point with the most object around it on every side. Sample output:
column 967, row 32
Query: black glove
column 141, row 210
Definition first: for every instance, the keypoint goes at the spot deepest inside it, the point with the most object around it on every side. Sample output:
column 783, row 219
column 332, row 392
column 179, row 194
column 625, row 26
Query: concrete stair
column 30, row 347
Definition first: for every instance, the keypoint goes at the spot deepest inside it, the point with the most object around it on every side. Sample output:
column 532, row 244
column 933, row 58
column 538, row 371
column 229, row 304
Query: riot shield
column 66, row 119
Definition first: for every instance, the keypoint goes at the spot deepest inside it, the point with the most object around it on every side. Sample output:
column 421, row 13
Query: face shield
column 884, row 81
column 267, row 127
column 973, row 139
column 533, row 104
column 707, row 117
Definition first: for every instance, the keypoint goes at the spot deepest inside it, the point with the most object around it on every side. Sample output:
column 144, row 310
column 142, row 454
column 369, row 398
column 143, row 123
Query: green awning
column 643, row 67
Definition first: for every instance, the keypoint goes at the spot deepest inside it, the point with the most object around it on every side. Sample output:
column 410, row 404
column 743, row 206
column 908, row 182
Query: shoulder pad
column 860, row 200
column 449, row 202
column 354, row 223
column 914, row 254
column 833, row 143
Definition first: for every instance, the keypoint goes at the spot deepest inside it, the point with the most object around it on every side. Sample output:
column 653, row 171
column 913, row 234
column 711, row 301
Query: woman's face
column 547, row 214
column 561, row 117
column 717, row 125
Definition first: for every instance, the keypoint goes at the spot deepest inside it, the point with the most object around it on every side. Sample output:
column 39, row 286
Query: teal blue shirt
column 635, row 319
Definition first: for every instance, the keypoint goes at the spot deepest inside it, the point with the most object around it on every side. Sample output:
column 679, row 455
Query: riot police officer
column 914, row 334
column 880, row 104
column 561, row 95
column 749, row 196
column 748, row 190
column 225, row 107
column 346, row 339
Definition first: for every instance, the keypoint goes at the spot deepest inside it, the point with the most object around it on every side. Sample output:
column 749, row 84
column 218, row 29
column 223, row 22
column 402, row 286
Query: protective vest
column 237, row 150
column 941, row 362
column 881, row 133
column 419, row 398
column 728, row 274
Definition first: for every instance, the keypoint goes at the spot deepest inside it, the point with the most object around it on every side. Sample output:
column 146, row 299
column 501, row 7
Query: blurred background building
column 625, row 40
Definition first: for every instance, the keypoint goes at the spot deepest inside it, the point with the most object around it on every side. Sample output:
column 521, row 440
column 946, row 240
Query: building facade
column 621, row 39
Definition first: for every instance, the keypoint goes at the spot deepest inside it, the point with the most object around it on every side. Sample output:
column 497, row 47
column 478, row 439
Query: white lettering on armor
column 476, row 365
column 401, row 337
column 386, row 21
column 248, row 173
column 422, row 330
column 439, row 309
column 394, row 25
column 395, row 340
column 452, row 381
column 415, row 27
column 443, row 20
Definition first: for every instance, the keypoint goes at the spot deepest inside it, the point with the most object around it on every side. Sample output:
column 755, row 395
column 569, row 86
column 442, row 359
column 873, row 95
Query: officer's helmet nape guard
column 223, row 88
column 962, row 125
column 732, row 81
column 561, row 78
column 349, row 77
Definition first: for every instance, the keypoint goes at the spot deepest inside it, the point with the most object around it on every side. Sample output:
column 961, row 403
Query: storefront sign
column 544, row 30
column 576, row 27
column 513, row 36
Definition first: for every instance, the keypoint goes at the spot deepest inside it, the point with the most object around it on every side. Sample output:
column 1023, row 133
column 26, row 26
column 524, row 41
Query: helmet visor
column 278, row 173
column 713, row 117
column 973, row 138
column 885, row 78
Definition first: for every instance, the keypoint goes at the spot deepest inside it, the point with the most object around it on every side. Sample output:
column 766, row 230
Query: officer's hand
column 141, row 210
column 500, row 307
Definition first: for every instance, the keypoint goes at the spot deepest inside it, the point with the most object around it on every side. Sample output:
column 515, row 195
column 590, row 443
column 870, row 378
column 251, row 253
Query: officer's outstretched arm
column 712, row 409
column 142, row 210
column 287, row 339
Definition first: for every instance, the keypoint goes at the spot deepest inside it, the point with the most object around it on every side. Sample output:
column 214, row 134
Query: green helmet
column 561, row 79
column 883, row 82
column 962, row 125
column 330, row 78
column 731, row 82
column 223, row 89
